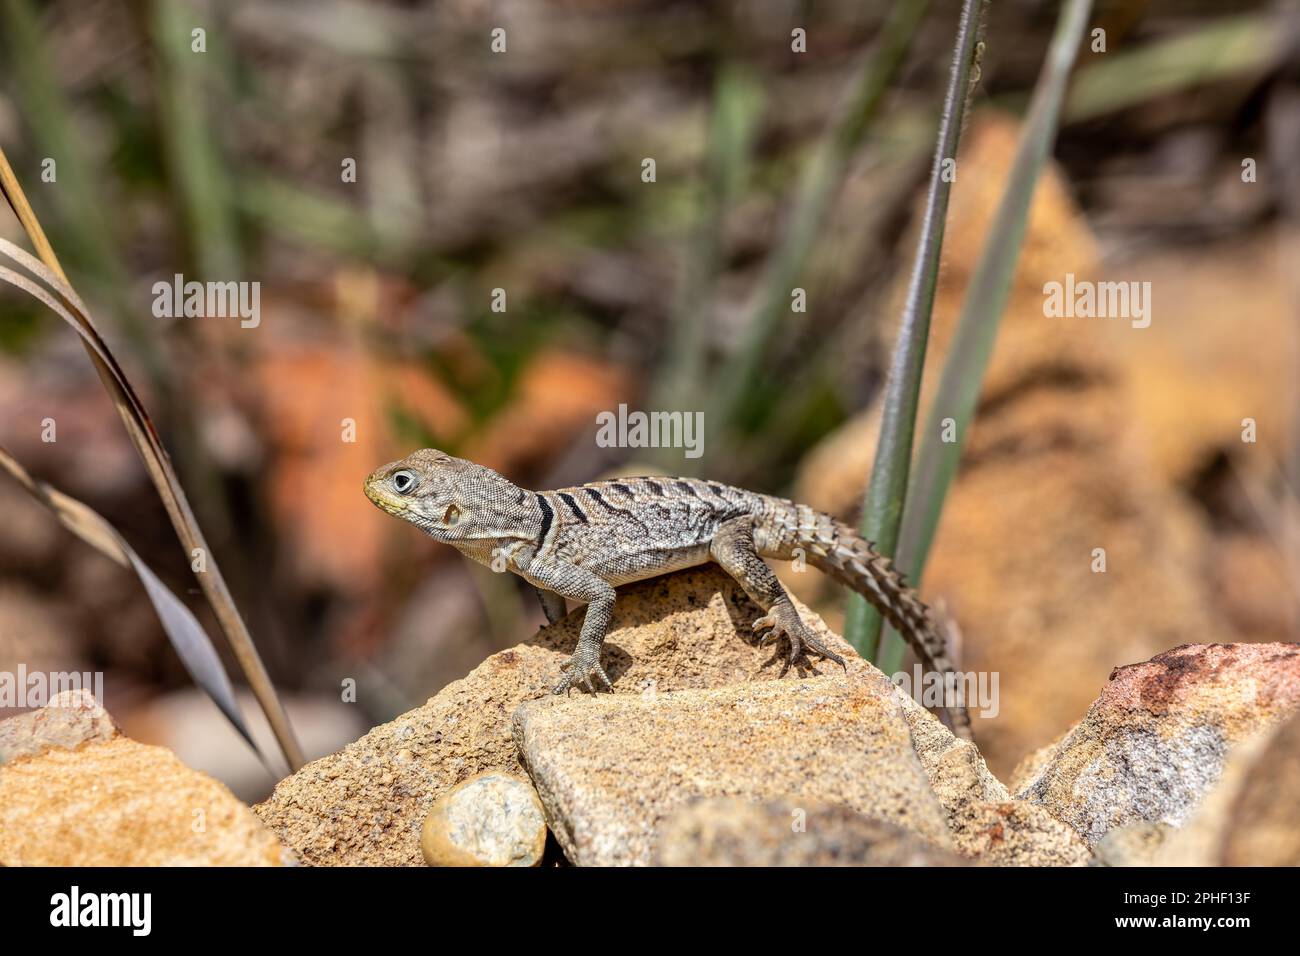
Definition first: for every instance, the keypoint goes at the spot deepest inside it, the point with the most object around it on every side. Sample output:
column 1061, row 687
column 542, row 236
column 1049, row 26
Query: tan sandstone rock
column 117, row 802
column 489, row 820
column 984, row 820
column 730, row 831
column 1156, row 741
column 611, row 770
column 365, row 804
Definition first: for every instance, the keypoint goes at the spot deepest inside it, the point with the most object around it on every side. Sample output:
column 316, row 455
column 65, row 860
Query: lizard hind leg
column 553, row 605
column 733, row 548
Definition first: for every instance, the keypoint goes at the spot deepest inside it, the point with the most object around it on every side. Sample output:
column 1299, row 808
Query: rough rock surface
column 365, row 804
column 1155, row 742
column 71, row 718
column 985, row 822
column 489, row 820
column 1252, row 816
column 729, row 831
column 611, row 770
column 117, row 802
column 1134, row 844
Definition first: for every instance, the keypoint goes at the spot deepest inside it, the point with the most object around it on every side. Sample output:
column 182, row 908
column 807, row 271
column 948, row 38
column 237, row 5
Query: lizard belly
column 624, row 569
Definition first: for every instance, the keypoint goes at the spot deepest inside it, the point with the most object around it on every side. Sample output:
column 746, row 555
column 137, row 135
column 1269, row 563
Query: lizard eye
column 403, row 481
column 452, row 515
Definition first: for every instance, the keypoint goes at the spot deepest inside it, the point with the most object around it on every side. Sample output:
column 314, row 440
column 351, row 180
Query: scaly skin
column 581, row 543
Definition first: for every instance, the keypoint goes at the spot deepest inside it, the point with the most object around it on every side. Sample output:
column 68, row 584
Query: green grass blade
column 737, row 109
column 821, row 175
column 982, row 309
column 189, row 133
column 883, row 506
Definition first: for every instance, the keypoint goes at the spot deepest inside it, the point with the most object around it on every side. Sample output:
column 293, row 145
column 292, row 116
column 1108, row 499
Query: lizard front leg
column 579, row 584
column 733, row 548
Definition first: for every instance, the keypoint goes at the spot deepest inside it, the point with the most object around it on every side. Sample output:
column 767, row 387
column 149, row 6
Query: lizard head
column 451, row 499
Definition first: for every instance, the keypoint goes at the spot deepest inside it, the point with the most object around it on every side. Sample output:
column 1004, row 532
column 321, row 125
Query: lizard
column 581, row 543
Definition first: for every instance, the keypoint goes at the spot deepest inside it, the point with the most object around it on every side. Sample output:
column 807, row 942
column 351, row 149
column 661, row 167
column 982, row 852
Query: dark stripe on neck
column 622, row 489
column 547, row 516
column 573, row 506
column 684, row 486
column 654, row 486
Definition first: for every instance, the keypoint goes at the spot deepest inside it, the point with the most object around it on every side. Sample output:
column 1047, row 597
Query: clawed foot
column 787, row 622
column 580, row 669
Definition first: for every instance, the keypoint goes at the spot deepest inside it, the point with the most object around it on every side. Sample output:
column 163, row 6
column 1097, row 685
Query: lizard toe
column 817, row 647
column 579, row 671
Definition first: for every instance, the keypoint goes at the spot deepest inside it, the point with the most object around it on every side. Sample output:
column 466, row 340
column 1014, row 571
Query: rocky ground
column 700, row 756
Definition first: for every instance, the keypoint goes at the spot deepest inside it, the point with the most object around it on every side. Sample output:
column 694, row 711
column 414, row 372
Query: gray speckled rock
column 729, row 831
column 489, row 820
column 1155, row 742
column 72, row 718
column 610, row 770
column 1252, row 816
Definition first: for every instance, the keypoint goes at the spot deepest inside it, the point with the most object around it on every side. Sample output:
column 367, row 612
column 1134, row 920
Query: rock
column 985, row 823
column 1134, row 844
column 1195, row 377
column 1155, row 742
column 611, row 770
column 1016, row 833
column 729, row 831
column 117, row 802
column 1263, row 828
column 71, row 718
column 365, row 804
column 489, row 820
column 1252, row 816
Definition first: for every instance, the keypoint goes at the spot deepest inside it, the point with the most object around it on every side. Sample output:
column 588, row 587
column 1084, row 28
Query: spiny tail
column 838, row 550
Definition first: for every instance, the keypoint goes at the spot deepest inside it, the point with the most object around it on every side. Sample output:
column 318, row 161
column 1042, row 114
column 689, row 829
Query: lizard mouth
column 380, row 498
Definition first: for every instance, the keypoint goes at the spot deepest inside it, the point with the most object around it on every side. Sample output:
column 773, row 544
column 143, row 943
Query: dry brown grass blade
column 187, row 636
column 145, row 438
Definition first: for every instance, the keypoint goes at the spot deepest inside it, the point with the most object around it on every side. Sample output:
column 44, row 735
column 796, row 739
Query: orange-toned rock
column 120, row 803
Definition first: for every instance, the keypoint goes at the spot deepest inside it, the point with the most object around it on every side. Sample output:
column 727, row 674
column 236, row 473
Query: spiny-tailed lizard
column 581, row 543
